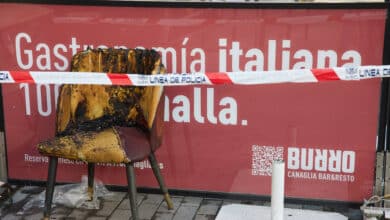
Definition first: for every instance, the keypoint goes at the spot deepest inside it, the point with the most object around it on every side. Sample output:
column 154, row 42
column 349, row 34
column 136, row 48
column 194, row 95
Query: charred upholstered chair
column 108, row 124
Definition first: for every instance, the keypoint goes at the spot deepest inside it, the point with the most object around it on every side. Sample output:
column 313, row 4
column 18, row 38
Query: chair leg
column 51, row 178
column 132, row 190
column 157, row 173
column 91, row 175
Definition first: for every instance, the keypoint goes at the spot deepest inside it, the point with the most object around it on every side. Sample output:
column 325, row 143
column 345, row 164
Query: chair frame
column 155, row 141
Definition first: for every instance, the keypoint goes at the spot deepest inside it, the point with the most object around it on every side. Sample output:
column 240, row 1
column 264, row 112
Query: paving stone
column 204, row 217
column 31, row 189
column 192, row 201
column 176, row 203
column 185, row 212
column 36, row 216
column 153, row 199
column 141, row 195
column 125, row 204
column 60, row 212
column 147, row 210
column 211, row 202
column 114, row 196
column 163, row 216
column 107, row 208
column 11, row 216
column 79, row 214
column 18, row 196
column 59, row 217
column 120, row 214
column 96, row 218
column 177, row 198
column 8, row 207
column 208, row 209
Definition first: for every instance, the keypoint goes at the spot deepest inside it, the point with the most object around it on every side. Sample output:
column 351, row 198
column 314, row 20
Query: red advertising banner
column 220, row 138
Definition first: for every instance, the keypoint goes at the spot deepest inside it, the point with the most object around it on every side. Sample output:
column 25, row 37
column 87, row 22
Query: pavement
column 26, row 202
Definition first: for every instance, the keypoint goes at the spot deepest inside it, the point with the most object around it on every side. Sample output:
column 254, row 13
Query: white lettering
column 348, row 165
column 228, row 115
column 184, row 56
column 258, row 63
column 286, row 54
column 181, row 113
column 293, row 158
column 198, row 106
column 306, row 159
column 326, row 55
column 334, row 164
column 18, row 49
column 201, row 62
column 352, row 55
column 164, row 57
column 281, row 51
column 235, row 52
column 271, row 54
column 74, row 46
column 222, row 54
column 61, row 57
column 43, row 60
column 323, row 160
column 225, row 115
column 56, row 56
column 306, row 63
column 210, row 106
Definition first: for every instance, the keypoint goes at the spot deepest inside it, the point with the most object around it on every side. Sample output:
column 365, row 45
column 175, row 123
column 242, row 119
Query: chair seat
column 112, row 145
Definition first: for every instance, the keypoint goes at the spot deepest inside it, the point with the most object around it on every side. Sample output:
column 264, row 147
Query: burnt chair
column 108, row 124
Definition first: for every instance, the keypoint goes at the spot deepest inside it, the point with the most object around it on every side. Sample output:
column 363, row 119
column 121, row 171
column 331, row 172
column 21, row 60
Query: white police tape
column 208, row 78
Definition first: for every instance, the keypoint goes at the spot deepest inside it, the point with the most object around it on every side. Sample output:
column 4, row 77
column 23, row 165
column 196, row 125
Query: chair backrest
column 96, row 107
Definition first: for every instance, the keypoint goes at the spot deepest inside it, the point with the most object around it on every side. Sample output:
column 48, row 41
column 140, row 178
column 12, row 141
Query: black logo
column 351, row 73
column 4, row 76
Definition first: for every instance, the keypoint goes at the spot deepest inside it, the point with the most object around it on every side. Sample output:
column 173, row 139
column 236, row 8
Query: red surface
column 22, row 76
column 219, row 78
column 119, row 79
column 325, row 74
column 209, row 146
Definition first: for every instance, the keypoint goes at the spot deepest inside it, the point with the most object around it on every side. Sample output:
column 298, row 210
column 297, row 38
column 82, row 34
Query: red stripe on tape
column 219, row 78
column 325, row 74
column 119, row 79
column 22, row 77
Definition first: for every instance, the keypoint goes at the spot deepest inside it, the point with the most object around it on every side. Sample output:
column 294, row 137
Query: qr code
column 262, row 158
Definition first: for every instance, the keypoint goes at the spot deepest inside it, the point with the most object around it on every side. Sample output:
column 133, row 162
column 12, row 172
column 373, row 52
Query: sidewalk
column 151, row 207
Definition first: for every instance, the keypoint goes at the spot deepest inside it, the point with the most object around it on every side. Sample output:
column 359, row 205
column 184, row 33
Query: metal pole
column 277, row 191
